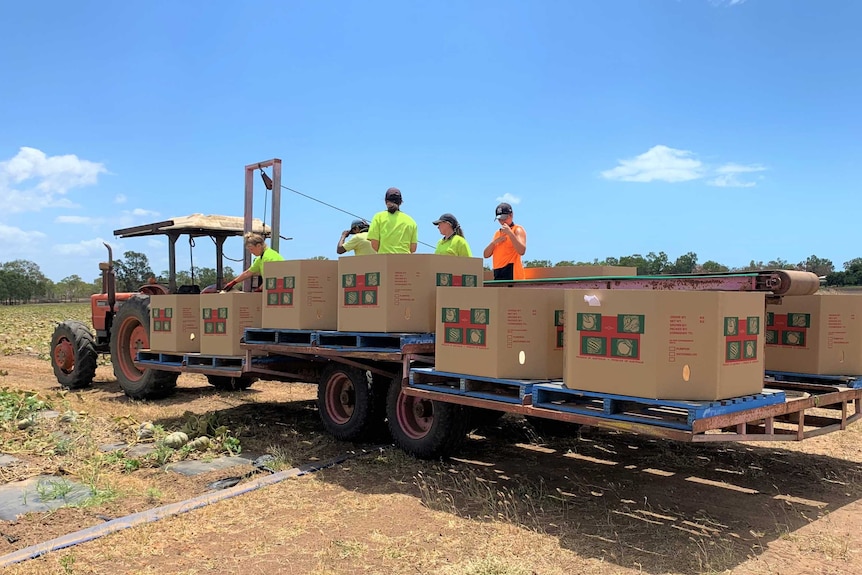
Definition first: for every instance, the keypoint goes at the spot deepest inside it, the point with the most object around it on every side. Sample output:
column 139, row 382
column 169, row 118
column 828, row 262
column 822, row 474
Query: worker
column 359, row 243
column 507, row 247
column 392, row 231
column 256, row 244
column 452, row 243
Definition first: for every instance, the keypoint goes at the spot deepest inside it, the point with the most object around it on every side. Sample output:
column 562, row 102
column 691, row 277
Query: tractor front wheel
column 73, row 355
column 130, row 333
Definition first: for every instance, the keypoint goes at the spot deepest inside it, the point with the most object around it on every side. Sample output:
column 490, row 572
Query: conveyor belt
column 777, row 282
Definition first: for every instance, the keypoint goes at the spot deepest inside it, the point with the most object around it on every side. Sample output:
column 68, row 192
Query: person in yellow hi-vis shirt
column 392, row 231
column 359, row 243
column 256, row 244
column 452, row 243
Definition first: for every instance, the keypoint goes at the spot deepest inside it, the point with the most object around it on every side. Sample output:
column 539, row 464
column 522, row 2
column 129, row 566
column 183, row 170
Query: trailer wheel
column 73, row 354
column 424, row 428
column 346, row 404
column 230, row 383
column 130, row 334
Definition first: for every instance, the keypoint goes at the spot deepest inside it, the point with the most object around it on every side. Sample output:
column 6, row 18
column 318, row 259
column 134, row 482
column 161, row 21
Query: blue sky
column 729, row 128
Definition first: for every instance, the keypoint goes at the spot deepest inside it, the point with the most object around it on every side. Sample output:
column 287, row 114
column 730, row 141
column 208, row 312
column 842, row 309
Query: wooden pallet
column 161, row 358
column 811, row 379
column 507, row 390
column 300, row 337
column 338, row 340
column 232, row 363
column 661, row 412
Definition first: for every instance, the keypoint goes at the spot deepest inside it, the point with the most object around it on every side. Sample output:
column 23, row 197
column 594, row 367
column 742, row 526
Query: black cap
column 503, row 209
column 448, row 218
column 361, row 224
column 393, row 195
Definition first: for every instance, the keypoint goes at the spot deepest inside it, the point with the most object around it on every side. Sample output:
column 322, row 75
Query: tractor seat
column 189, row 289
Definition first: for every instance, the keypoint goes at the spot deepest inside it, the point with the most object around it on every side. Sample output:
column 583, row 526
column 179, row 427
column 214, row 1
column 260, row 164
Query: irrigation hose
column 169, row 510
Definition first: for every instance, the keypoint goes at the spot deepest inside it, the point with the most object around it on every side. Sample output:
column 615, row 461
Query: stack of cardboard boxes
column 686, row 345
column 654, row 344
column 815, row 334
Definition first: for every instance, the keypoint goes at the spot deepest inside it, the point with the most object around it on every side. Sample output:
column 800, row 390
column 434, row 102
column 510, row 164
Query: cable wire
column 337, row 208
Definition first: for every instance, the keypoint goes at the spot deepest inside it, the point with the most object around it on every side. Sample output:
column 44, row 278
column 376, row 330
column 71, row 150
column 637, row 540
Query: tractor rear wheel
column 73, row 354
column 130, row 333
column 230, row 383
column 424, row 428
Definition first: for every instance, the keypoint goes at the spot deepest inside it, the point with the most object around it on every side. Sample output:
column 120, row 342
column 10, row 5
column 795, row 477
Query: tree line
column 660, row 264
column 21, row 281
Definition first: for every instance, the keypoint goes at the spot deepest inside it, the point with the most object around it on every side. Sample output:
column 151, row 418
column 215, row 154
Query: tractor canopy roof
column 195, row 225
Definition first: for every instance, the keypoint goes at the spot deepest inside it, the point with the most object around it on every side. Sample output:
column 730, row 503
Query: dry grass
column 514, row 501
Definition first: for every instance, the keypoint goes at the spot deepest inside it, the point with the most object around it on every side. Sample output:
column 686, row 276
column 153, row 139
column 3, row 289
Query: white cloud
column 658, row 163
column 664, row 164
column 509, row 199
column 83, row 220
column 120, row 199
column 31, row 180
column 143, row 212
column 16, row 243
column 92, row 247
column 728, row 176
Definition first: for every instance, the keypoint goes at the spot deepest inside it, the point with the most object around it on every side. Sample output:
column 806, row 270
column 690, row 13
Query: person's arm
column 238, row 279
column 414, row 238
column 489, row 249
column 340, row 248
column 374, row 233
column 518, row 238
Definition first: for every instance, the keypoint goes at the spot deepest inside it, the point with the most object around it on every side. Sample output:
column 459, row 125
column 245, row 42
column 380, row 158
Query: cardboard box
column 687, row 345
column 504, row 333
column 224, row 319
column 174, row 323
column 300, row 294
column 572, row 272
column 397, row 292
column 817, row 334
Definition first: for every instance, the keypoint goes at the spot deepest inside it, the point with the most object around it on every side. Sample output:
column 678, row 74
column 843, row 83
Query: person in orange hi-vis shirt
column 507, row 247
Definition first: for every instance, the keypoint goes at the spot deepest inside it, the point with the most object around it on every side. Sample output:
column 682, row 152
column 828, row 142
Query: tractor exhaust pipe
column 109, row 279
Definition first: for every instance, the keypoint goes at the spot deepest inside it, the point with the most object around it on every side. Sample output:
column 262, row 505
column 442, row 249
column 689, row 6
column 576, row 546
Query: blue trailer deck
column 791, row 407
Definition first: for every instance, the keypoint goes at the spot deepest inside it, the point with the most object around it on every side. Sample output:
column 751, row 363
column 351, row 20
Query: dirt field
column 511, row 503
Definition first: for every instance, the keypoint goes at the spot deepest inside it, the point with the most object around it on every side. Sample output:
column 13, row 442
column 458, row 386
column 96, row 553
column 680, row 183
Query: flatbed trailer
column 368, row 380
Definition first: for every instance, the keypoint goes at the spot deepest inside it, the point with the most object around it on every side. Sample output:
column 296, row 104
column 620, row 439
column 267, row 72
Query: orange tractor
column 121, row 321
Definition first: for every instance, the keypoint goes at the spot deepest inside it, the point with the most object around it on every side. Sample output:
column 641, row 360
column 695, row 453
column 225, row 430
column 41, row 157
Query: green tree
column 133, row 271
column 537, row 264
column 684, row 264
column 73, row 288
column 819, row 266
column 713, row 267
column 30, row 282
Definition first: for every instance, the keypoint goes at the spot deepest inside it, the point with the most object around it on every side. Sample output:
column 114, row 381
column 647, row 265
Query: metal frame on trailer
column 777, row 282
column 785, row 421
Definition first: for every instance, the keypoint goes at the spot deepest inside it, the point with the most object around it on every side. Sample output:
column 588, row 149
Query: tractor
column 121, row 321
